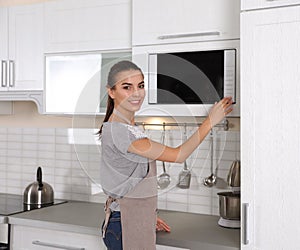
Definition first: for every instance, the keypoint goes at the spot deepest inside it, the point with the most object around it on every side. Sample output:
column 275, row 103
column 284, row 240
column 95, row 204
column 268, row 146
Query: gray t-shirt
column 120, row 170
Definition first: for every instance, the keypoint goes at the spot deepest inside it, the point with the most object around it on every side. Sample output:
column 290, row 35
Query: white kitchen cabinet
column 75, row 83
column 259, row 4
column 21, row 47
column 176, row 21
column 270, row 128
column 80, row 25
column 33, row 238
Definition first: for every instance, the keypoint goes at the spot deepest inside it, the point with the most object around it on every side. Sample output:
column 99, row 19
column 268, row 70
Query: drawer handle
column 46, row 244
column 208, row 33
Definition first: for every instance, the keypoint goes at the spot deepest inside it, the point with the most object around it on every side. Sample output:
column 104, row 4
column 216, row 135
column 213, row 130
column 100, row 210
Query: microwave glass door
column 188, row 77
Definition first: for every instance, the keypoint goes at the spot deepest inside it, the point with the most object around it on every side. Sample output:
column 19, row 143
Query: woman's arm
column 157, row 151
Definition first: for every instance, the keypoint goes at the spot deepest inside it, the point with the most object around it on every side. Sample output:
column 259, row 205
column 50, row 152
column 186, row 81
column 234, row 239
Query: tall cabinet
column 270, row 127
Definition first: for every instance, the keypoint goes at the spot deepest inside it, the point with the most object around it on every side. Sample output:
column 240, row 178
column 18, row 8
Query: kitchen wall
column 69, row 154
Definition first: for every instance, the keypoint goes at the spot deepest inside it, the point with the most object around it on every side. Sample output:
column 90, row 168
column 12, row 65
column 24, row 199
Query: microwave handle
column 230, row 73
column 206, row 33
column 152, row 79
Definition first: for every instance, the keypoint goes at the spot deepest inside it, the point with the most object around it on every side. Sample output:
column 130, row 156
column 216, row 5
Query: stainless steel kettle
column 38, row 193
column 234, row 175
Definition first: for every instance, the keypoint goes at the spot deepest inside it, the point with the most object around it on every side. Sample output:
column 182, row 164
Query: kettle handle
column 39, row 178
column 233, row 171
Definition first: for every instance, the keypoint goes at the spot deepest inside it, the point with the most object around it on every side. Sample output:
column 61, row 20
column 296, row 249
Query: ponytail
column 109, row 110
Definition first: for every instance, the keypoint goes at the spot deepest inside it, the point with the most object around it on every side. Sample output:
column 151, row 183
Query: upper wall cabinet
column 21, row 47
column 75, row 83
column 260, row 4
column 80, row 25
column 176, row 21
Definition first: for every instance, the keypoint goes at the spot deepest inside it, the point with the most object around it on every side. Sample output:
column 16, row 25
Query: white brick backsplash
column 46, row 139
column 73, row 169
column 29, row 146
column 45, row 147
column 28, row 138
column 13, row 154
column 3, row 137
column 29, row 161
column 15, row 131
column 3, row 130
column 29, row 154
column 30, row 131
column 13, row 190
column 45, row 132
column 46, row 154
column 63, row 179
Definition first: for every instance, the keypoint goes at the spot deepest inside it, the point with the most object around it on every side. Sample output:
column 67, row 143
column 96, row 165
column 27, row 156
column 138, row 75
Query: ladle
column 164, row 179
column 211, row 180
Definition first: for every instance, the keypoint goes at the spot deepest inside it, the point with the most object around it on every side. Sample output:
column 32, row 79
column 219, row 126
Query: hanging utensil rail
column 224, row 124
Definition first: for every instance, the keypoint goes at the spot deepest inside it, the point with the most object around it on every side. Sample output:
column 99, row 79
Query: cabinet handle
column 46, row 244
column 11, row 74
column 4, row 73
column 208, row 33
column 246, row 223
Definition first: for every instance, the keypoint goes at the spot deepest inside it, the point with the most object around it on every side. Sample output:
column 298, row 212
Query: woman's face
column 128, row 92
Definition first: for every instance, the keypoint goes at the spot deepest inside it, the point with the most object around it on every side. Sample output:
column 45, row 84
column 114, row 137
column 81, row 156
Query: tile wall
column 70, row 161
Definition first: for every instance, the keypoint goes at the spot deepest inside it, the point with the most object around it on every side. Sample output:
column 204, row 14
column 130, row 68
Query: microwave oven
column 194, row 77
column 187, row 79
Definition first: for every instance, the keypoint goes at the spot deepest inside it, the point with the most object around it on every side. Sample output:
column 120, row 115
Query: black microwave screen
column 190, row 77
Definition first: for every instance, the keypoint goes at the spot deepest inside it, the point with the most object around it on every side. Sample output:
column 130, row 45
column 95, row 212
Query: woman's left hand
column 162, row 225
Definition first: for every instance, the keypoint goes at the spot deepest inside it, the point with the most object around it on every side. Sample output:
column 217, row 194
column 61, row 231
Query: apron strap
column 107, row 211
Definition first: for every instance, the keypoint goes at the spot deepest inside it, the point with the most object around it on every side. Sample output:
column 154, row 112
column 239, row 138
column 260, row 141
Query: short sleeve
column 123, row 135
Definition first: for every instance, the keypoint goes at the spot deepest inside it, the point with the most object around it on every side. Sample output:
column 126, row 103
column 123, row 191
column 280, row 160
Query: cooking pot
column 38, row 193
column 229, row 205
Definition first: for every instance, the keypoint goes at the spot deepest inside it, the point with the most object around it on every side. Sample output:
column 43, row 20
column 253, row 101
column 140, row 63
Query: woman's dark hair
column 111, row 81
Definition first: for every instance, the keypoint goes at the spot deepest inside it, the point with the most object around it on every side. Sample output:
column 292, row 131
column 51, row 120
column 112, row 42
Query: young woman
column 128, row 170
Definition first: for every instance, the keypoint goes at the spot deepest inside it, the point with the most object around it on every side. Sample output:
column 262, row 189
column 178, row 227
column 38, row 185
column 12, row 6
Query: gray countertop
column 188, row 230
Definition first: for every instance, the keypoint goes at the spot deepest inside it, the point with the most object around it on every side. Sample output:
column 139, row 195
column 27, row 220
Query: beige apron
column 138, row 214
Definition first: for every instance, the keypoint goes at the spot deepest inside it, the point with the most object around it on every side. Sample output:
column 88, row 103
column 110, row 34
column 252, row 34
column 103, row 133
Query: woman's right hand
column 220, row 110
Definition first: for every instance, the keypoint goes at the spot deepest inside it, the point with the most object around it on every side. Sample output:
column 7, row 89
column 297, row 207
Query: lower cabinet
column 31, row 238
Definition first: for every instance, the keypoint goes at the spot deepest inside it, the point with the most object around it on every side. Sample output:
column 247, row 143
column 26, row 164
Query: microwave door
column 152, row 79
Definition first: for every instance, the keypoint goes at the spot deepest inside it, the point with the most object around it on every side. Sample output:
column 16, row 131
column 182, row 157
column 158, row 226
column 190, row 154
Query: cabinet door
column 23, row 237
column 258, row 4
column 171, row 21
column 270, row 129
column 3, row 48
column 80, row 25
column 25, row 46
column 76, row 82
